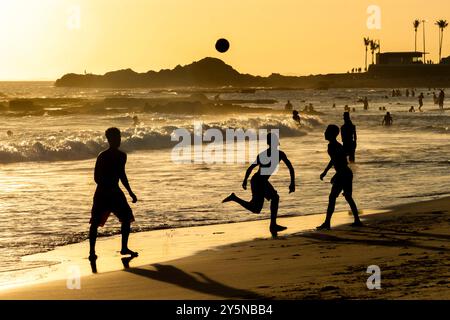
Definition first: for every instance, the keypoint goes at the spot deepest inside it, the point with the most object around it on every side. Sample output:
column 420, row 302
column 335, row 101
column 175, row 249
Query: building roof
column 402, row 54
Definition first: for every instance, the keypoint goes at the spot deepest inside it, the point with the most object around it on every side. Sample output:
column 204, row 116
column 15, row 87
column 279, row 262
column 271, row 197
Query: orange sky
column 44, row 39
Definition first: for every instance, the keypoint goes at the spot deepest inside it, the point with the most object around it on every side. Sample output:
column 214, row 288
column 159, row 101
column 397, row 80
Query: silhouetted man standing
column 108, row 197
column 421, row 96
column 342, row 180
column 348, row 135
column 268, row 162
column 441, row 99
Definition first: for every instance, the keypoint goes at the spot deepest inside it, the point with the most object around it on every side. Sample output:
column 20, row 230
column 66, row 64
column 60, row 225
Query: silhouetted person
column 366, row 103
column 441, row 99
column 108, row 197
column 136, row 121
column 296, row 116
column 334, row 105
column 260, row 185
column 341, row 181
column 348, row 135
column 407, row 93
column 288, row 106
column 387, row 120
column 346, row 108
column 412, row 109
column 420, row 98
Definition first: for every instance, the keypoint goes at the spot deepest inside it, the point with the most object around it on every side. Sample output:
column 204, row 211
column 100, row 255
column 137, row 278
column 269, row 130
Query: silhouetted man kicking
column 268, row 162
column 342, row 180
column 108, row 197
column 348, row 135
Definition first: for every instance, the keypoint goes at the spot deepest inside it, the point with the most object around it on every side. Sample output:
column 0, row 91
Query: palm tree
column 373, row 47
column 416, row 25
column 366, row 44
column 442, row 24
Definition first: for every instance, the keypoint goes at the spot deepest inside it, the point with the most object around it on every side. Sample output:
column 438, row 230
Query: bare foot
column 324, row 226
column 229, row 198
column 357, row 224
column 128, row 251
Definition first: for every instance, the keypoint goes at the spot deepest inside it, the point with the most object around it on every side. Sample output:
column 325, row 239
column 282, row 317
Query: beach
column 409, row 243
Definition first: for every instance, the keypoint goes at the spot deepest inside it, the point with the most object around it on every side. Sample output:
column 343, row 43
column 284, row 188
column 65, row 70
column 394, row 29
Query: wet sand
column 410, row 244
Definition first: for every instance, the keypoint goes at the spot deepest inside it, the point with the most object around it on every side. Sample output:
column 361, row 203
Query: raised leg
column 253, row 205
column 352, row 204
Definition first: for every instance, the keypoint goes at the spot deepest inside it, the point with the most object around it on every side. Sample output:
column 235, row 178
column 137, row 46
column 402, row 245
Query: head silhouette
column 272, row 140
column 113, row 137
column 346, row 116
column 331, row 132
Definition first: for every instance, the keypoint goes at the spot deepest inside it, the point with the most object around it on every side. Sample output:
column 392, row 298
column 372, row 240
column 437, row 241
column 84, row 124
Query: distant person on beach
column 412, row 109
column 108, row 197
column 346, row 108
column 387, row 120
column 441, row 99
column 366, row 103
column 407, row 93
column 420, row 98
column 268, row 162
column 296, row 116
column 136, row 121
column 348, row 135
column 288, row 106
column 341, row 181
column 334, row 105
column 9, row 133
column 435, row 98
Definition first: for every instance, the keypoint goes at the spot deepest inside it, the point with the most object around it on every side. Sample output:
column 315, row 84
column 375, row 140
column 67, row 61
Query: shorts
column 262, row 188
column 107, row 202
column 342, row 181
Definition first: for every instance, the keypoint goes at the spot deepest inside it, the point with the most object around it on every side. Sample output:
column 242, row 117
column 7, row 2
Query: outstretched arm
column 126, row 184
column 291, row 172
column 247, row 174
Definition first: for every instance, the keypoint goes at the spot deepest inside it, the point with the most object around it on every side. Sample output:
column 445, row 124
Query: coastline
column 239, row 260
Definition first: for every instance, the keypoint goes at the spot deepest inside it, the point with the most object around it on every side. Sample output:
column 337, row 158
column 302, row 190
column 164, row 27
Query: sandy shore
column 410, row 244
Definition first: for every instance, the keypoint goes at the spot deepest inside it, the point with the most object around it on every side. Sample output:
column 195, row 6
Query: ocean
column 47, row 162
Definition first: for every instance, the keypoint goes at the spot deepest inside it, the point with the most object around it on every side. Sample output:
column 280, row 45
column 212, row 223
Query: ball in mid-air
column 222, row 45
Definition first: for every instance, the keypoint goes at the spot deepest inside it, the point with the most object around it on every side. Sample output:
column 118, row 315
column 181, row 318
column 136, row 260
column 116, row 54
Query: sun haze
column 48, row 38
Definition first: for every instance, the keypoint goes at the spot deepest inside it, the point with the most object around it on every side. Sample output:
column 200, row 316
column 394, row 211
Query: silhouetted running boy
column 108, row 197
column 342, row 180
column 261, row 187
column 348, row 135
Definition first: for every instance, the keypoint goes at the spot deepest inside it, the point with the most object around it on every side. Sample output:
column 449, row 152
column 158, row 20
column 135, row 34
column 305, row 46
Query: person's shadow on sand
column 173, row 275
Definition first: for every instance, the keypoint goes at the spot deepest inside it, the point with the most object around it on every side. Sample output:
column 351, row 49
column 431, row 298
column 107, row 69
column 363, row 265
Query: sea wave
column 83, row 145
